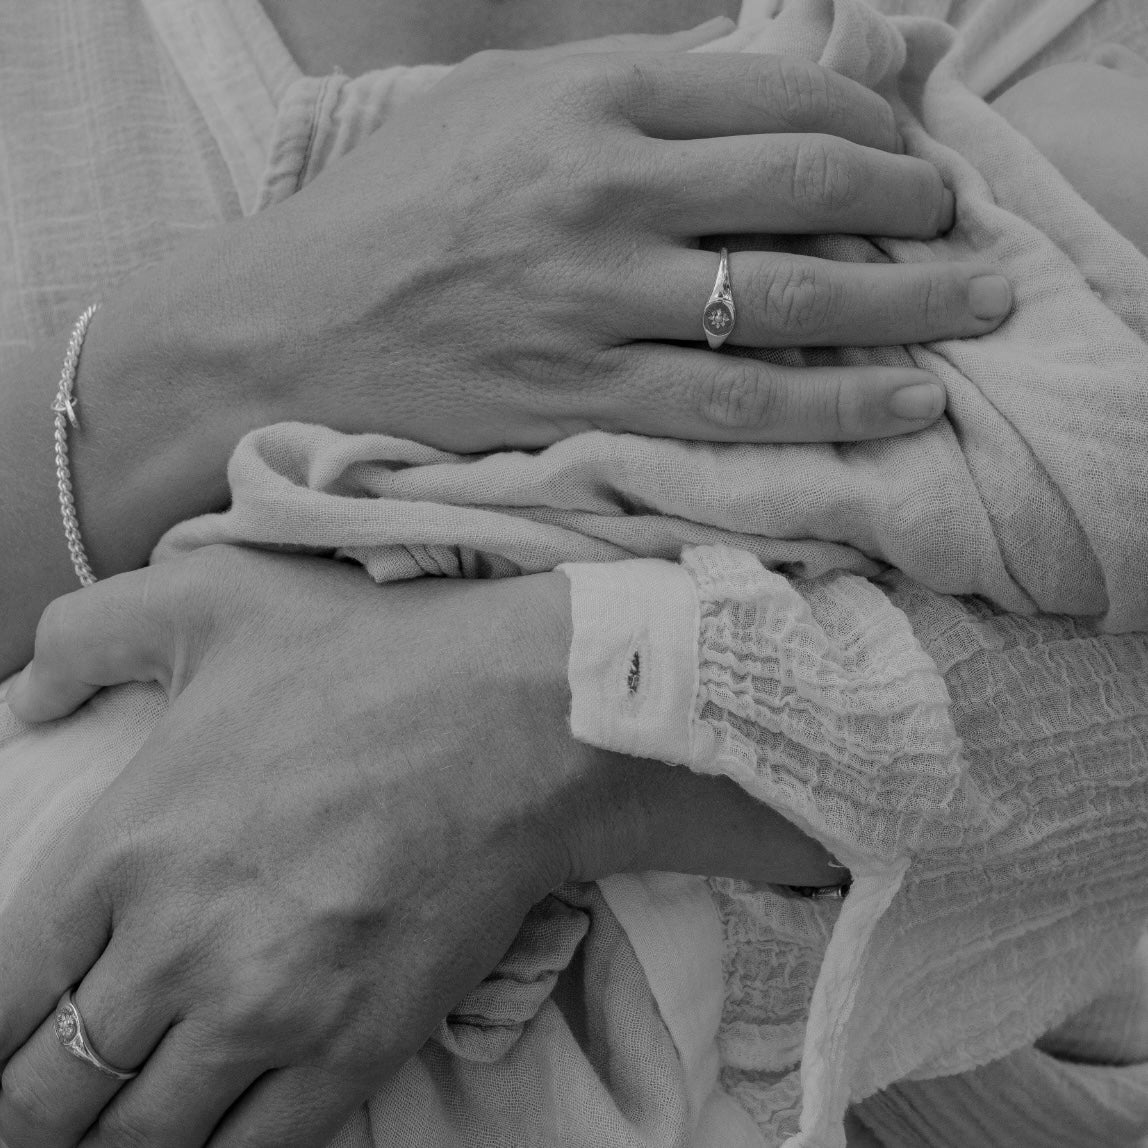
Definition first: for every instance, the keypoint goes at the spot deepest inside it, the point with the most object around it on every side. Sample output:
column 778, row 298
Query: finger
column 699, row 96
column 99, row 636
column 52, row 931
column 799, row 184
column 795, row 301
column 681, row 41
column 50, row 1097
column 291, row 1108
column 184, row 1091
column 634, row 43
column 696, row 394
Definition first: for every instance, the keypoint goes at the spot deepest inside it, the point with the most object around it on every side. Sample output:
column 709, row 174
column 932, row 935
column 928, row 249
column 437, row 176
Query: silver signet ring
column 70, row 1032
column 719, row 314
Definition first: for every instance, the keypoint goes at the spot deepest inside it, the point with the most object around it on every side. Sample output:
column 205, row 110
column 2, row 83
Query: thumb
column 107, row 633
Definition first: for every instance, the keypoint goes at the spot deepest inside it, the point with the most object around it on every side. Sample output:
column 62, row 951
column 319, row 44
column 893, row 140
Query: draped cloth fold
column 1030, row 492
column 1002, row 885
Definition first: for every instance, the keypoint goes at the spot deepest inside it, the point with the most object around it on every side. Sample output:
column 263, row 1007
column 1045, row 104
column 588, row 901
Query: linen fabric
column 105, row 163
column 1023, row 493
column 935, row 746
column 681, row 1017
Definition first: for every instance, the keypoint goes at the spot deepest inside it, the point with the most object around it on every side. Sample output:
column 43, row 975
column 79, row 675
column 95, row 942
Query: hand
column 356, row 796
column 510, row 259
column 335, row 833
column 513, row 256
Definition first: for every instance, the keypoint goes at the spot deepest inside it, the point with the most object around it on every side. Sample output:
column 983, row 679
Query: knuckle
column 934, row 303
column 930, row 193
column 797, row 298
column 214, row 1042
column 799, row 90
column 887, row 122
column 127, row 1129
column 589, row 79
column 27, row 1105
column 114, row 855
column 628, row 79
column 252, row 1018
column 737, row 397
column 848, row 411
column 826, row 176
column 54, row 626
column 598, row 185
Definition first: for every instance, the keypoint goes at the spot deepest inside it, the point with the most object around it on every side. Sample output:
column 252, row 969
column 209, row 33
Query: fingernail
column 990, row 296
column 917, row 403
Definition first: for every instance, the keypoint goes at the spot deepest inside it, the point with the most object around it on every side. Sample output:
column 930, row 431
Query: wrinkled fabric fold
column 611, row 1023
column 967, row 506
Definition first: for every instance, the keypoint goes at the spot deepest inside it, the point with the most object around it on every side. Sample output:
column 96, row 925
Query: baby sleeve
column 982, row 775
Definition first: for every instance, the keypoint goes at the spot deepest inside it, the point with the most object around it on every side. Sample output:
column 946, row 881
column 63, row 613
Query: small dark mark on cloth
column 634, row 673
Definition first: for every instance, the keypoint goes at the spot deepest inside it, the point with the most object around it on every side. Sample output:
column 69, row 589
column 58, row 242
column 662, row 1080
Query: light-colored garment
column 514, row 1070
column 982, row 774
column 105, row 162
column 1030, row 492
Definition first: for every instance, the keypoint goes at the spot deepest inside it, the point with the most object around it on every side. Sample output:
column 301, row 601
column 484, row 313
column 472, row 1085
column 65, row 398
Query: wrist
column 598, row 807
column 650, row 815
column 592, row 812
column 159, row 419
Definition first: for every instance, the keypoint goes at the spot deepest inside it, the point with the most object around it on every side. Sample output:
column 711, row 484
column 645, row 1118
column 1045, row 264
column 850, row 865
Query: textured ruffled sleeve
column 982, row 775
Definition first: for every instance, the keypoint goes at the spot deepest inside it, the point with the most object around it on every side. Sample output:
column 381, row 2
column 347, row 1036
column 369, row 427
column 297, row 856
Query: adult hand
column 336, row 831
column 514, row 256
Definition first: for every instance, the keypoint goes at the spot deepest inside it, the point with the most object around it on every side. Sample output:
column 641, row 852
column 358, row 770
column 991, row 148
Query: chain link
column 65, row 408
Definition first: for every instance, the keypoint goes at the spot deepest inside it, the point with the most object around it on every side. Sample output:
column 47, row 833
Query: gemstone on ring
column 718, row 319
column 69, row 1028
column 66, row 1027
column 719, row 314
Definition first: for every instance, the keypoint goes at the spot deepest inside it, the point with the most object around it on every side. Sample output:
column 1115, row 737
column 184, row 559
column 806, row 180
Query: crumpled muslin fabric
column 1027, row 494
column 982, row 773
column 1030, row 492
column 950, row 753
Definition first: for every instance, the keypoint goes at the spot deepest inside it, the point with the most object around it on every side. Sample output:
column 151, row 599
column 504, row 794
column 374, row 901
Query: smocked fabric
column 952, row 756
column 698, row 1000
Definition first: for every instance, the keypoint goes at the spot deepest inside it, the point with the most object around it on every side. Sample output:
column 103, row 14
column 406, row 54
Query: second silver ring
column 719, row 313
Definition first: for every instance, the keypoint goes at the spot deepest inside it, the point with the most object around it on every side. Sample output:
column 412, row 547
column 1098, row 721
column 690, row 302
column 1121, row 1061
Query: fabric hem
column 238, row 70
column 633, row 668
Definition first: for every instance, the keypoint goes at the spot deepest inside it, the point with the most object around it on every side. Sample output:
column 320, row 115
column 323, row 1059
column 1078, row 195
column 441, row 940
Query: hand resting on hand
column 335, row 832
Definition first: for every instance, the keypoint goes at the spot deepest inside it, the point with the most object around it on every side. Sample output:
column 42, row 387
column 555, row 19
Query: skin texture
column 1091, row 120
column 500, row 265
column 577, row 182
column 358, row 35
column 316, row 854
column 195, row 966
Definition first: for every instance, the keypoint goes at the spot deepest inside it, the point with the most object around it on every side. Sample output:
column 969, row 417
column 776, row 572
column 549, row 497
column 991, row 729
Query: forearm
column 163, row 392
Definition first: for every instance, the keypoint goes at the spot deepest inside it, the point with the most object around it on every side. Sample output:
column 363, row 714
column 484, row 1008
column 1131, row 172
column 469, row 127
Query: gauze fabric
column 1030, row 492
column 967, row 506
column 624, row 1049
column 941, row 749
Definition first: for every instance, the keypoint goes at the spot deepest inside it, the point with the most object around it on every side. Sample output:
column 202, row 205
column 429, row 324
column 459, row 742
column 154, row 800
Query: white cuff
column 633, row 667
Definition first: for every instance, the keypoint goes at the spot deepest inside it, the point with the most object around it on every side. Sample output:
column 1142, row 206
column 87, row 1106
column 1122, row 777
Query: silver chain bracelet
column 65, row 408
